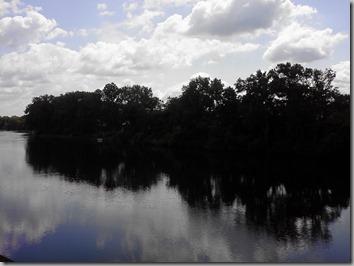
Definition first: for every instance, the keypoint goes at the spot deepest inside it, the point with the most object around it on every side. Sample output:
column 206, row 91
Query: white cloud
column 150, row 42
column 58, row 32
column 176, row 89
column 176, row 51
column 16, row 32
column 109, row 32
column 128, row 7
column 218, row 19
column 106, row 13
column 4, row 7
column 103, row 8
column 174, row 24
column 9, row 7
column 301, row 44
column 165, row 48
column 210, row 62
column 128, row 82
column 83, row 32
column 172, row 91
column 200, row 74
column 291, row 10
column 48, row 68
column 107, row 59
column 143, row 21
column 43, row 69
column 342, row 80
column 158, row 4
column 38, row 65
column 239, row 17
column 223, row 18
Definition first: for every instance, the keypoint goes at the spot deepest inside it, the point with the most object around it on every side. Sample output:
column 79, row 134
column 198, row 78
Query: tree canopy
column 287, row 109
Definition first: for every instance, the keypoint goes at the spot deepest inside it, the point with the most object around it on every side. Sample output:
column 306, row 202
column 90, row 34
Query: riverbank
column 122, row 141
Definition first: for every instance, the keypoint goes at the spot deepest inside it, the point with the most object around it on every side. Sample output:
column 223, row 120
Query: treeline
column 12, row 123
column 286, row 109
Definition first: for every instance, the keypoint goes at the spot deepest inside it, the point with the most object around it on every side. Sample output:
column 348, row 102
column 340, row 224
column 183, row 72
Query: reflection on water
column 95, row 202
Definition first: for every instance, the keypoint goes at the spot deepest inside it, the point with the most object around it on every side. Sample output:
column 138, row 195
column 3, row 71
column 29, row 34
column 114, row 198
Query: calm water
column 63, row 201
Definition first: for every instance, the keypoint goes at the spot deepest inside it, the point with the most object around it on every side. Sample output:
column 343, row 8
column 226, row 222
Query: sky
column 54, row 47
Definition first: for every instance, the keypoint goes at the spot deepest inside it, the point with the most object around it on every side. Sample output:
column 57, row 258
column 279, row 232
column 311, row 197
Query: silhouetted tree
column 14, row 123
column 39, row 113
column 287, row 109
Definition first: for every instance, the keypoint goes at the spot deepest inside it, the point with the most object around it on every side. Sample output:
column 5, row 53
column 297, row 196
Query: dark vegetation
column 12, row 123
column 289, row 109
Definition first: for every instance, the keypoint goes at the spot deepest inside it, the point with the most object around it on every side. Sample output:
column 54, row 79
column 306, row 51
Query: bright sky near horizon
column 53, row 47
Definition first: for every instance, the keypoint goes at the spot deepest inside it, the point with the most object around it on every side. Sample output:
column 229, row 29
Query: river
column 76, row 201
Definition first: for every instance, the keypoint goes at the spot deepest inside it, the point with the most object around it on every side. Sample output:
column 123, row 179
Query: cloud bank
column 154, row 38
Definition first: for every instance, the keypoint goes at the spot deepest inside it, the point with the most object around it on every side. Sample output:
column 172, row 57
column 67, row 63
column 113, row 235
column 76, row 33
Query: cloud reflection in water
column 82, row 202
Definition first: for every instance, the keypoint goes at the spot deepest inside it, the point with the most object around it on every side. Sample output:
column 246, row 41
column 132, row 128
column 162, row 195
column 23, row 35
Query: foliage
column 13, row 123
column 287, row 109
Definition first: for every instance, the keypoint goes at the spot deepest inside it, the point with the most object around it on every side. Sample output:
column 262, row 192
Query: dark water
column 65, row 201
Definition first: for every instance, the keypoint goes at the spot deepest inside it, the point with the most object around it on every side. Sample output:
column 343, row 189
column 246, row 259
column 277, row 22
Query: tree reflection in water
column 96, row 164
column 294, row 199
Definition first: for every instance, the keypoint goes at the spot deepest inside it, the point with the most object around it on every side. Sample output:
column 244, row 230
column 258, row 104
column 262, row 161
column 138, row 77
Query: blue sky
column 52, row 47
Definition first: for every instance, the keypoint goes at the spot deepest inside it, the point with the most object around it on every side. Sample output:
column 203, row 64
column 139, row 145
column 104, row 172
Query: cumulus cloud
column 103, row 10
column 200, row 74
column 342, row 80
column 109, row 32
column 11, row 6
column 58, row 32
column 43, row 69
column 179, row 51
column 143, row 20
column 129, row 55
column 158, row 4
column 38, row 67
column 107, row 59
column 176, row 89
column 128, row 7
column 18, row 31
column 223, row 18
column 302, row 44
column 291, row 10
column 48, row 68
column 237, row 17
column 83, row 32
column 4, row 7
column 150, row 42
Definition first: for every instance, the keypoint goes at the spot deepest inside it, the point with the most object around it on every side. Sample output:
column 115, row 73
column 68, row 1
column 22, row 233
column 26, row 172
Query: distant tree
column 192, row 115
column 290, row 104
column 129, row 107
column 14, row 123
column 289, row 108
column 89, row 115
column 304, row 97
column 257, row 107
column 39, row 113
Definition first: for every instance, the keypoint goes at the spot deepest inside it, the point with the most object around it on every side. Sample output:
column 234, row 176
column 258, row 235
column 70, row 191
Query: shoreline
column 263, row 153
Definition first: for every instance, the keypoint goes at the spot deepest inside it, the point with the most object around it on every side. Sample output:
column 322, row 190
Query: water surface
column 76, row 201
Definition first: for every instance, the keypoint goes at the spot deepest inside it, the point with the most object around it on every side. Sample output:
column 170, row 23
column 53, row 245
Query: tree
column 304, row 97
column 289, row 104
column 257, row 105
column 12, row 123
column 289, row 108
column 39, row 113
